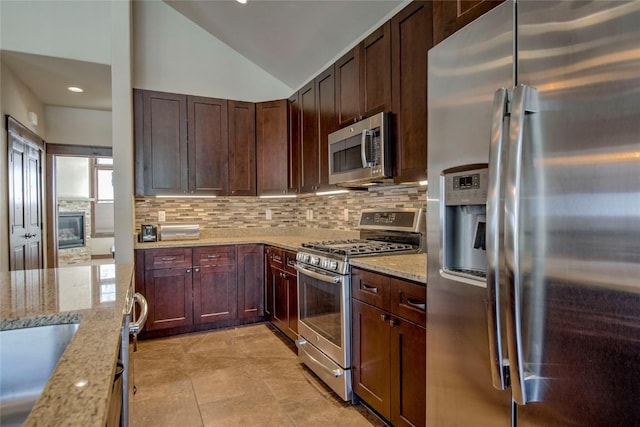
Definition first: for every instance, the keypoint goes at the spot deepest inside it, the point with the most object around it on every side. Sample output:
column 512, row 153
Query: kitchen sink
column 28, row 356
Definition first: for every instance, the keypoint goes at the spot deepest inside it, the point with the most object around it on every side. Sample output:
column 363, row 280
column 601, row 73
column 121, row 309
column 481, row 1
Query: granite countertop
column 79, row 388
column 411, row 267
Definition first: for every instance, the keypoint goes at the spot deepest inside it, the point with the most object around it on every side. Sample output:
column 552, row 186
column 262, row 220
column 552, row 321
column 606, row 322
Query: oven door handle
column 322, row 277
column 334, row 372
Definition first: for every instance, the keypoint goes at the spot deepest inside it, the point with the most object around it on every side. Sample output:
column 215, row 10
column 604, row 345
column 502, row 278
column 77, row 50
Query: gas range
column 382, row 232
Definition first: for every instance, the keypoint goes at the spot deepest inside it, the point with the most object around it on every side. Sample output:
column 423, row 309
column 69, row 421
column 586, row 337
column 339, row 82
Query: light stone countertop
column 411, row 267
column 79, row 388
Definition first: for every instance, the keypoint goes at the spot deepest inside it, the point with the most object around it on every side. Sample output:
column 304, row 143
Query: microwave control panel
column 466, row 187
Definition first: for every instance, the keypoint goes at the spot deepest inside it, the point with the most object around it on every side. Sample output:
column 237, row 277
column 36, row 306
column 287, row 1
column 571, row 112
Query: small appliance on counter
column 148, row 233
column 179, row 231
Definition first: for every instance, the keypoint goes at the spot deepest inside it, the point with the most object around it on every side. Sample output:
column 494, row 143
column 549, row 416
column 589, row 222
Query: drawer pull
column 169, row 258
column 291, row 262
column 419, row 305
column 213, row 256
column 370, row 288
column 277, row 258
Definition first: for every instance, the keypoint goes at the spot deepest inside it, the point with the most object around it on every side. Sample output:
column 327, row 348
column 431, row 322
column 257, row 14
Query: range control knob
column 333, row 265
column 314, row 260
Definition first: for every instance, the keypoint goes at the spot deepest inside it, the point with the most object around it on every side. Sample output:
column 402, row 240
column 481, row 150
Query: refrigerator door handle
column 523, row 383
column 499, row 365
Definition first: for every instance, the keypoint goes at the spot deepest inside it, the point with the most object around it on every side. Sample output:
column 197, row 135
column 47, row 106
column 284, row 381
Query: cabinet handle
column 384, row 317
column 393, row 323
column 196, row 270
column 168, row 258
column 291, row 263
column 277, row 258
column 213, row 256
column 370, row 288
column 188, row 270
column 415, row 304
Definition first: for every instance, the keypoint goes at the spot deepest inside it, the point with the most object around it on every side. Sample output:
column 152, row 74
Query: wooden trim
column 79, row 150
column 52, row 210
column 31, row 138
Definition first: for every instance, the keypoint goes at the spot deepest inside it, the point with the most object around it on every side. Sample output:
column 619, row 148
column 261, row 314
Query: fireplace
column 70, row 230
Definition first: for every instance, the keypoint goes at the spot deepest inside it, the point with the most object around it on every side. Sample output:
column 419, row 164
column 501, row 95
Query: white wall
column 78, row 126
column 172, row 54
column 122, row 125
column 71, row 29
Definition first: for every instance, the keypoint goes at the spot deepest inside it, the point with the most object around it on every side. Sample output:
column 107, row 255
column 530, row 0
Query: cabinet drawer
column 409, row 300
column 210, row 256
column 276, row 257
column 167, row 258
column 290, row 262
column 370, row 287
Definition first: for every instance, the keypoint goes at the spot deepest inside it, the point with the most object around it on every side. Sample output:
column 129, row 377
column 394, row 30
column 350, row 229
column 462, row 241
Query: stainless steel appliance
column 361, row 154
column 131, row 327
column 546, row 95
column 324, row 293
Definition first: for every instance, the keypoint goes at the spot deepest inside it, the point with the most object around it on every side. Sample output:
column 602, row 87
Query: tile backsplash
column 308, row 211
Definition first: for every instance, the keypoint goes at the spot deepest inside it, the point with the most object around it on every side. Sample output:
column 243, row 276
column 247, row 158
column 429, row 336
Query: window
column 102, row 205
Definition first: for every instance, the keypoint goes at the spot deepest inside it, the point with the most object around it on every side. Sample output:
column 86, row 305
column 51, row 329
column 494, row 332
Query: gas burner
column 359, row 247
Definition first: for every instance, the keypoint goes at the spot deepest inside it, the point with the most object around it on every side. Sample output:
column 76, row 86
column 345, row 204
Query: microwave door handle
column 363, row 149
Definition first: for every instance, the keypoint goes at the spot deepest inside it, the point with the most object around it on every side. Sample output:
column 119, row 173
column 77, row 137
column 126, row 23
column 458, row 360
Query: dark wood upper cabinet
column 208, row 145
column 161, row 143
column 242, row 148
column 295, row 166
column 327, row 118
column 411, row 39
column 272, row 147
column 309, row 150
column 376, row 72
column 451, row 15
column 347, row 85
column 181, row 144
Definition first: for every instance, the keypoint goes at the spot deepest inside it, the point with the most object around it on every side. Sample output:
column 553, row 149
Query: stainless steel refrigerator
column 533, row 283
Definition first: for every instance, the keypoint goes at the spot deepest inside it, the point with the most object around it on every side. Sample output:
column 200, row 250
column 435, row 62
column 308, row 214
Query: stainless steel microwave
column 361, row 153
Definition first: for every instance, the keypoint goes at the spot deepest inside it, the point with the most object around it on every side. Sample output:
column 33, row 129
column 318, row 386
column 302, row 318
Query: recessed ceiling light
column 242, row 1
column 75, row 89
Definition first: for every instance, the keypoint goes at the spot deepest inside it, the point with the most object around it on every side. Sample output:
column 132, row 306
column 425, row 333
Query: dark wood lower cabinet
column 215, row 293
column 282, row 291
column 389, row 346
column 371, row 356
column 168, row 292
column 224, row 288
column 408, row 374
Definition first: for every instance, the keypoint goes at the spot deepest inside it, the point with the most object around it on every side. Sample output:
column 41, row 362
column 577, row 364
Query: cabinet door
column 250, row 281
column 451, row 15
column 327, row 118
column 309, row 150
column 411, row 40
column 408, row 374
column 215, row 294
column 242, row 148
column 347, row 71
column 269, row 284
column 293, row 108
column 280, row 313
column 292, row 298
column 272, row 147
column 371, row 356
column 160, row 143
column 376, row 71
column 208, row 146
column 168, row 292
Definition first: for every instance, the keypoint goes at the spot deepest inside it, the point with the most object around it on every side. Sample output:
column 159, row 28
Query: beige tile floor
column 247, row 376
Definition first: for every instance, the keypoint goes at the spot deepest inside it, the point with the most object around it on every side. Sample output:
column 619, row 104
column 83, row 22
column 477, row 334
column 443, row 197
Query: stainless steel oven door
column 324, row 312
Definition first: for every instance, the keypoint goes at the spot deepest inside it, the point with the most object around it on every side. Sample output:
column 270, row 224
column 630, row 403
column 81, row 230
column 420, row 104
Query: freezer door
column 576, row 312
column 464, row 72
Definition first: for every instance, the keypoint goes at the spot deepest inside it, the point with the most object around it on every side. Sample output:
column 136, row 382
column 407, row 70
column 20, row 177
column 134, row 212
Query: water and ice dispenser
column 464, row 222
